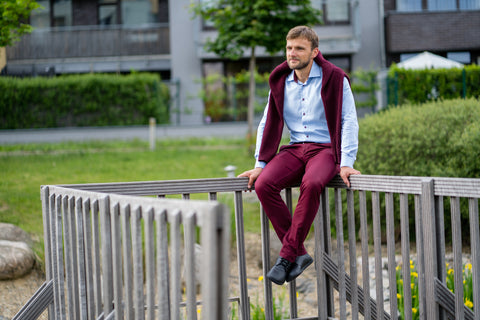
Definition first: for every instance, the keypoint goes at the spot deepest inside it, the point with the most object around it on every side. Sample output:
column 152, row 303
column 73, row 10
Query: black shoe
column 279, row 271
column 301, row 263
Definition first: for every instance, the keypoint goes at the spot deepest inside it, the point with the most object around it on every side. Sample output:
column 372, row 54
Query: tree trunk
column 251, row 101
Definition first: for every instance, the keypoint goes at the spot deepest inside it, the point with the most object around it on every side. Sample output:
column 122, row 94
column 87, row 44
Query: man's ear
column 315, row 52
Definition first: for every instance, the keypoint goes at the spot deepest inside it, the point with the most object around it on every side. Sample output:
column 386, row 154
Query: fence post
column 430, row 246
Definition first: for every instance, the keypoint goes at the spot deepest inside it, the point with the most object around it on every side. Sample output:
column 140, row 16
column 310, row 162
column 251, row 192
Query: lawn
column 24, row 168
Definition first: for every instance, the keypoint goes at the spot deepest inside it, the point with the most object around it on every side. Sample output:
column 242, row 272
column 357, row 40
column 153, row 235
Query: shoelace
column 285, row 263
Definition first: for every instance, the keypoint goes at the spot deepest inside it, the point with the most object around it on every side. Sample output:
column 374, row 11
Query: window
column 462, row 57
column 409, row 5
column 469, row 4
column 108, row 12
column 442, row 5
column 136, row 12
column 334, row 11
column 55, row 13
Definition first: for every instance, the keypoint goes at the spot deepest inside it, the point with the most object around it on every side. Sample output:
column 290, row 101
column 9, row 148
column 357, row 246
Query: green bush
column 420, row 86
column 433, row 139
column 82, row 100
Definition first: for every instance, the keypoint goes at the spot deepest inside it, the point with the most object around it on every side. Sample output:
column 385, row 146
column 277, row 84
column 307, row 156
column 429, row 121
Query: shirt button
column 303, row 99
column 305, row 127
column 304, row 113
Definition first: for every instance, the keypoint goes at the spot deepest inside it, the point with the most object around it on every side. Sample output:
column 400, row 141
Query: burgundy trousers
column 313, row 166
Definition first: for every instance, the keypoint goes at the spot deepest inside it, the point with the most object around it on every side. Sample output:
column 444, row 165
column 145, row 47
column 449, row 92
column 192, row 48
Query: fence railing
column 395, row 220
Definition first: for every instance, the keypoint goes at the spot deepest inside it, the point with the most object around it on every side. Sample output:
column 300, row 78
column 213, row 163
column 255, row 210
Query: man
column 313, row 98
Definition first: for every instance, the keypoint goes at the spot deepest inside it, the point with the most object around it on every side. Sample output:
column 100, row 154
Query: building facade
column 81, row 36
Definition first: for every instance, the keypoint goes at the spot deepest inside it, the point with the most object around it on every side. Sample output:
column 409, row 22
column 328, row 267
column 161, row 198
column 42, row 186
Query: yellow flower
column 400, row 281
column 447, row 264
column 260, row 278
column 297, row 294
column 414, row 274
column 412, row 285
column 468, row 266
column 450, row 271
column 469, row 304
column 248, row 280
column 412, row 266
column 399, row 296
column 414, row 310
column 397, row 268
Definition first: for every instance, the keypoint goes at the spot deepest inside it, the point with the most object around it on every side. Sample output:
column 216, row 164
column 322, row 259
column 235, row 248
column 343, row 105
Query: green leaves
column 13, row 17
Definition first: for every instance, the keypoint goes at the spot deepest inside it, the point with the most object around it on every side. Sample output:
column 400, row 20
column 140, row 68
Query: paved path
column 227, row 130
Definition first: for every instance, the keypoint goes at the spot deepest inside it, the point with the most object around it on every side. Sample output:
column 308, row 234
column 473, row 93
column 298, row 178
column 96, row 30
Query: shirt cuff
column 260, row 164
column 347, row 161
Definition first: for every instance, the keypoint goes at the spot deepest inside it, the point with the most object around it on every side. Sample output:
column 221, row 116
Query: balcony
column 93, row 49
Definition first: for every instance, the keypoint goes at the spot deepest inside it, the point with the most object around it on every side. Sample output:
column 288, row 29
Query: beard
column 300, row 65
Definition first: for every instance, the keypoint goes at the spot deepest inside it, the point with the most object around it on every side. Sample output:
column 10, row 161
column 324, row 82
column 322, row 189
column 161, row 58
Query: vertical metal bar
column 127, row 261
column 475, row 247
column 47, row 235
column 138, row 298
column 174, row 219
column 457, row 256
column 392, row 279
column 440, row 234
column 377, row 243
column 117, row 261
column 244, row 308
column 74, row 257
column 150, row 264
column 189, row 271
column 405, row 234
column 367, row 314
column 267, row 285
column 430, row 245
column 342, row 290
column 352, row 247
column 60, row 276
column 107, row 266
column 291, row 287
column 163, row 281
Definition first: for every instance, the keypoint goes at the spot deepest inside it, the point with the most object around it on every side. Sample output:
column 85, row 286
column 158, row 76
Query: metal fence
column 407, row 215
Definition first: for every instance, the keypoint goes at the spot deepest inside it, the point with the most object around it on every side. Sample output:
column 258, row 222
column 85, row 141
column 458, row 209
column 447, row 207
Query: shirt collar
column 315, row 72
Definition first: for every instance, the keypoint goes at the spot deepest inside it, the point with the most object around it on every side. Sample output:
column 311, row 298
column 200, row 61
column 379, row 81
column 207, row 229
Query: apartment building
column 81, row 36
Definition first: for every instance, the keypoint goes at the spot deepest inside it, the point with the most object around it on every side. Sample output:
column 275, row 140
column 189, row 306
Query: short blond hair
column 303, row 32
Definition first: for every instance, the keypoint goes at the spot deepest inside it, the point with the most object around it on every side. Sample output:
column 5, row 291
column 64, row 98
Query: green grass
column 24, row 168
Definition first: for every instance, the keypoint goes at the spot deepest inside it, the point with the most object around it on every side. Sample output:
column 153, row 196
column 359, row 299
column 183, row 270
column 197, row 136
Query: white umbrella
column 427, row 60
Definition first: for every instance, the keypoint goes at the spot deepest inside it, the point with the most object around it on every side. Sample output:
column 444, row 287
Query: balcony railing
column 92, row 41
column 406, row 213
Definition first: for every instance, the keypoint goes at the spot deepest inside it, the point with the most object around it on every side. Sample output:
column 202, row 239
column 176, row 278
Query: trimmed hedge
column 433, row 139
column 420, row 86
column 82, row 100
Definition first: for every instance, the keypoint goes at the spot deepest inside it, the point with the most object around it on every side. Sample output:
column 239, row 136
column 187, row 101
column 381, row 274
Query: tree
column 13, row 17
column 245, row 25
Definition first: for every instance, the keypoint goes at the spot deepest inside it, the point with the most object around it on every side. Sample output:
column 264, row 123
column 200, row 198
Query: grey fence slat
column 60, row 274
column 244, row 307
column 430, row 252
column 189, row 240
column 475, row 247
column 149, row 264
column 318, row 224
column 163, row 282
column 267, row 285
column 389, row 208
column 117, row 261
column 97, row 282
column 127, row 240
column 341, row 254
column 440, row 233
column 352, row 248
column 292, row 285
column 73, row 256
column 364, row 242
column 174, row 219
column 137, row 249
column 457, row 255
column 47, row 236
column 405, row 239
column 80, row 251
column 87, row 229
column 420, row 256
column 377, row 242
column 67, row 239
column 107, row 265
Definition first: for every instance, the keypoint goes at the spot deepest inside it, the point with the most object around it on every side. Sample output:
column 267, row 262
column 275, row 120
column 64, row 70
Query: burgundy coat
column 332, row 95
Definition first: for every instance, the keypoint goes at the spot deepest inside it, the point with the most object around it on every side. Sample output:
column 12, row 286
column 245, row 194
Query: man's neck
column 302, row 74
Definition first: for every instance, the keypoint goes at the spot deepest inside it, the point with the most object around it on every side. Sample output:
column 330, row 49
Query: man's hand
column 345, row 172
column 252, row 176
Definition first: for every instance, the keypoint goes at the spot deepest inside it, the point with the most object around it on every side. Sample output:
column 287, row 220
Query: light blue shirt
column 304, row 116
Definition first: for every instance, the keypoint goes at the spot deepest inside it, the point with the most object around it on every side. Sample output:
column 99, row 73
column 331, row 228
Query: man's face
column 300, row 53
